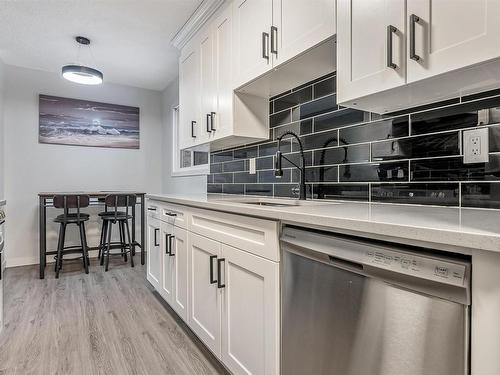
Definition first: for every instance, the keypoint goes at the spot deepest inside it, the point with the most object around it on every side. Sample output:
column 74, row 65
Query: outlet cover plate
column 475, row 146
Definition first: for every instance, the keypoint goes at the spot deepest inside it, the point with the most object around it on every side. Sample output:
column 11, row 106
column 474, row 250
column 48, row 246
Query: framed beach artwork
column 77, row 122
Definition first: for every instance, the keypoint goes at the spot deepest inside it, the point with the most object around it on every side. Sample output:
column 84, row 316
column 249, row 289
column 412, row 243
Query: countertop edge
column 446, row 238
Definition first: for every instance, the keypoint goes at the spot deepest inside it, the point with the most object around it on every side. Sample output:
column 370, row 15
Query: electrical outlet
column 252, row 168
column 475, row 146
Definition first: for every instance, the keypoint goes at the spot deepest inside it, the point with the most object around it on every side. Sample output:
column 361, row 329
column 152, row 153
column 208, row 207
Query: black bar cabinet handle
column 171, row 245
column 167, row 244
column 209, row 129
column 151, row 208
column 219, row 273
column 413, row 20
column 193, row 123
column 265, row 45
column 171, row 214
column 274, row 40
column 390, row 30
column 156, row 236
column 212, row 116
column 212, row 280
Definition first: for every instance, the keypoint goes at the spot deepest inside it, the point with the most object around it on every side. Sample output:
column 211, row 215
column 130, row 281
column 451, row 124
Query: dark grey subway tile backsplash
column 411, row 157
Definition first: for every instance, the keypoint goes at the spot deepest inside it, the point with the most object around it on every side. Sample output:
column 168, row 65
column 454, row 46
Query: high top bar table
column 46, row 200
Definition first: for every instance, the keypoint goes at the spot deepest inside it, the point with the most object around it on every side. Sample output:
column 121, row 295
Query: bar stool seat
column 111, row 213
column 71, row 218
column 123, row 216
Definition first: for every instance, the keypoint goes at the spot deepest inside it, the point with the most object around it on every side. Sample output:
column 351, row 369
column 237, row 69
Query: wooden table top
column 92, row 194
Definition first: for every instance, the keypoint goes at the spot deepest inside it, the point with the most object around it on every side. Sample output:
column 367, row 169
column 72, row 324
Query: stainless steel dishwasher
column 357, row 307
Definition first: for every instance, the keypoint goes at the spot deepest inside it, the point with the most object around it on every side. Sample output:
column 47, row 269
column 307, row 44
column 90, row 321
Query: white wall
column 176, row 185
column 31, row 167
column 2, row 76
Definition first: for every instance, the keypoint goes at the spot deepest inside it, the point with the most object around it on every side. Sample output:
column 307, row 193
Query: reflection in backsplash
column 413, row 156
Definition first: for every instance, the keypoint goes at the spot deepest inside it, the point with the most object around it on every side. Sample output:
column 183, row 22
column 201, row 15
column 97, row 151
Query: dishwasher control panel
column 419, row 266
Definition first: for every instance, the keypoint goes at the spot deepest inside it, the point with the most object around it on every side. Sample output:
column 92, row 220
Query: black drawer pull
column 156, row 236
column 220, row 284
column 171, row 246
column 212, row 280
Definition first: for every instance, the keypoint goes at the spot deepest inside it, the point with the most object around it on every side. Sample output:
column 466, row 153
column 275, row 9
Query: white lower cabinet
column 204, row 294
column 178, row 249
column 154, row 267
column 229, row 297
column 167, row 287
column 174, row 286
column 250, row 313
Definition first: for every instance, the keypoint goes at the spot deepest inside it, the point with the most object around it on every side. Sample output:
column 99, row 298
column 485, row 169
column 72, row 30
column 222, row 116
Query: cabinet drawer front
column 174, row 214
column 154, row 209
column 257, row 236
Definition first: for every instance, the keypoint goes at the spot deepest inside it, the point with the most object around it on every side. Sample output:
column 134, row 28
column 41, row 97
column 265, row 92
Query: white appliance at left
column 2, row 262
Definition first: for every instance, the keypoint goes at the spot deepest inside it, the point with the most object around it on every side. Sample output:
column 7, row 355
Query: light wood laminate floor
column 100, row 323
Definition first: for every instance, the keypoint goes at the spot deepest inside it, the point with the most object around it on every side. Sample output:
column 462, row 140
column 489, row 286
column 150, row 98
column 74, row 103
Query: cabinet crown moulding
column 201, row 15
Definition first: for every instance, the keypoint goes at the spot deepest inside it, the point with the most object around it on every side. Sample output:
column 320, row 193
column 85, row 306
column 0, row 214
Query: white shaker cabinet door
column 222, row 118
column 189, row 97
column 252, row 20
column 178, row 253
column 300, row 25
column 167, row 266
column 154, row 266
column 444, row 35
column 207, row 84
column 204, row 295
column 250, row 314
column 371, row 37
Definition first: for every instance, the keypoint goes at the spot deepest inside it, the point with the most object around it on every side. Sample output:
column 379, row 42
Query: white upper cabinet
column 397, row 54
column 370, row 47
column 189, row 83
column 300, row 25
column 207, row 84
column 451, row 34
column 222, row 115
column 252, row 21
column 268, row 33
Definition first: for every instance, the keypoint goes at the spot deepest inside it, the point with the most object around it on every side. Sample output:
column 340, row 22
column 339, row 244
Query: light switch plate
column 476, row 146
column 251, row 167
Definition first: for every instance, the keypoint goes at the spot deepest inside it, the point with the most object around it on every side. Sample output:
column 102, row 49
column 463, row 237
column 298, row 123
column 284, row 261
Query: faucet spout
column 278, row 171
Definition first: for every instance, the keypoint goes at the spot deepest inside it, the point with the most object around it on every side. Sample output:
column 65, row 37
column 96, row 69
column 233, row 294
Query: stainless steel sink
column 271, row 204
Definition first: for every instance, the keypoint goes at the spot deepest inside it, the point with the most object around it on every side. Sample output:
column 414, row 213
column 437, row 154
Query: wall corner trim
column 201, row 15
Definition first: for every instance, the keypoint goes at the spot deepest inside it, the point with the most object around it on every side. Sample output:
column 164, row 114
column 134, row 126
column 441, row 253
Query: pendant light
column 80, row 73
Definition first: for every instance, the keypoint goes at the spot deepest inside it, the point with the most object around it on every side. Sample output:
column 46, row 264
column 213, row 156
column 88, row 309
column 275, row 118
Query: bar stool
column 102, row 241
column 68, row 202
column 116, row 201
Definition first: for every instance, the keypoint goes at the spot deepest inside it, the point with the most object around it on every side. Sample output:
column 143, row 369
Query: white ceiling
column 130, row 39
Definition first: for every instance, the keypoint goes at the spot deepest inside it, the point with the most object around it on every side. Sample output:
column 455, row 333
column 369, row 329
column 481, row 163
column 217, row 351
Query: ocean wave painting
column 83, row 123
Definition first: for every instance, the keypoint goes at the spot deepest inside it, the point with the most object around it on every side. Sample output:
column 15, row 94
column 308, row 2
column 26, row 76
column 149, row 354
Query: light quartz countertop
column 445, row 228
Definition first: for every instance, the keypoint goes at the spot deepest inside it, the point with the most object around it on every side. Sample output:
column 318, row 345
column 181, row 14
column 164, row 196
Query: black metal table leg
column 133, row 230
column 43, row 235
column 143, row 229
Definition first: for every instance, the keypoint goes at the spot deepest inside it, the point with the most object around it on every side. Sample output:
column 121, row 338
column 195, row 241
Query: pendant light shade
column 80, row 73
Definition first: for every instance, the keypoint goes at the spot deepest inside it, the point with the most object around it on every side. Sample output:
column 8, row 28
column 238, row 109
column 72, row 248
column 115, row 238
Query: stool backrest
column 68, row 201
column 120, row 200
